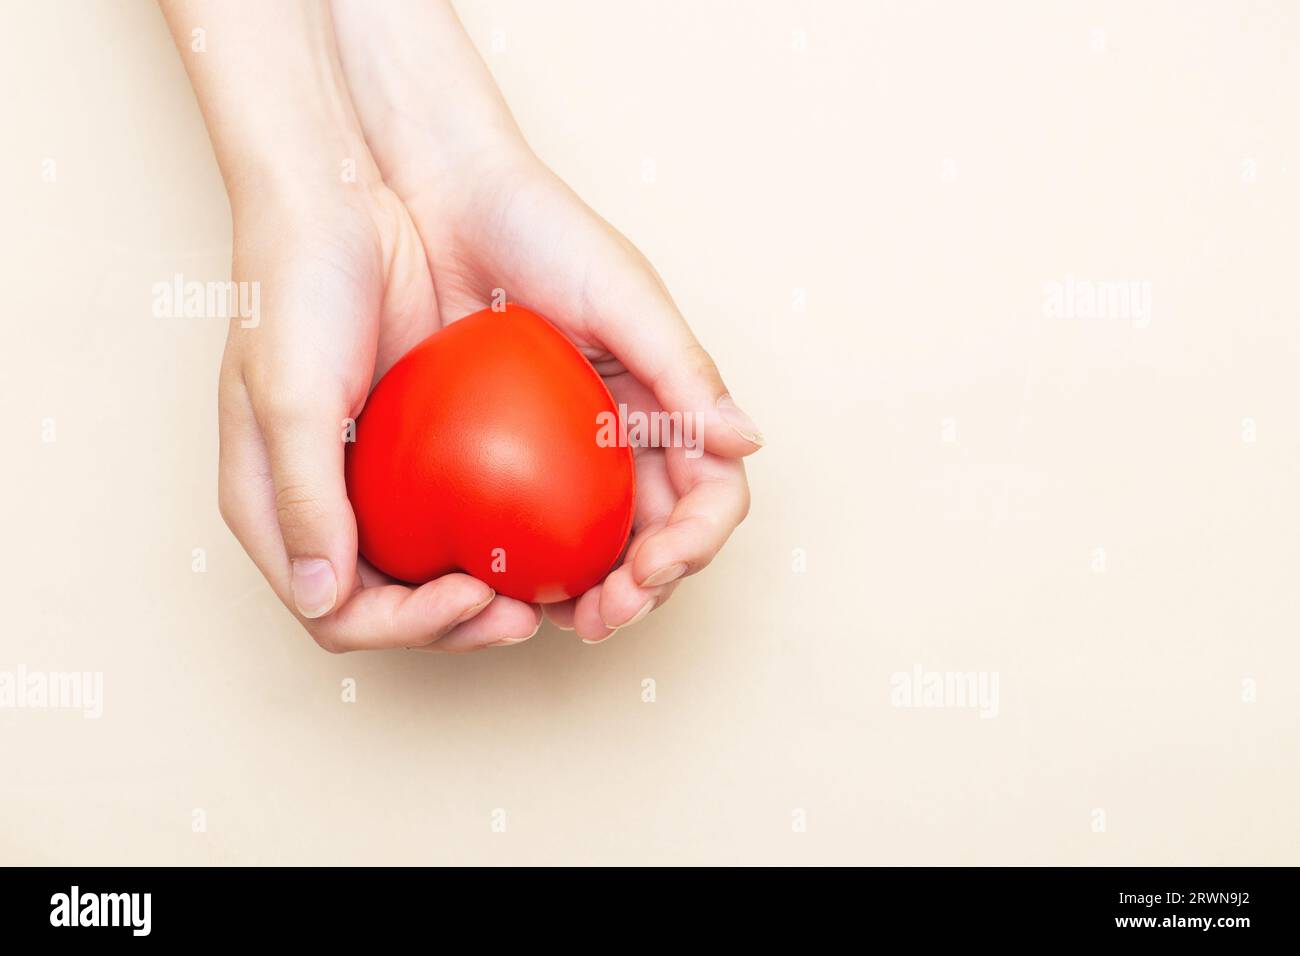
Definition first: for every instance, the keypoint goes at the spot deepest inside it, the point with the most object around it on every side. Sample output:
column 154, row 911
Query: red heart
column 478, row 452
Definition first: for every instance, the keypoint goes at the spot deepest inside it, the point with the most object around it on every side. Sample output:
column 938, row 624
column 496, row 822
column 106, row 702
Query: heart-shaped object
column 480, row 451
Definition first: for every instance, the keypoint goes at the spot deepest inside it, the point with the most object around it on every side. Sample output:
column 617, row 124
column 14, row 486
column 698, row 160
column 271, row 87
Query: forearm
column 420, row 86
column 273, row 95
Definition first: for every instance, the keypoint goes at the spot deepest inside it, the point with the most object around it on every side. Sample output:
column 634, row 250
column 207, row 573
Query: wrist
column 274, row 98
column 423, row 96
column 314, row 167
column 297, row 142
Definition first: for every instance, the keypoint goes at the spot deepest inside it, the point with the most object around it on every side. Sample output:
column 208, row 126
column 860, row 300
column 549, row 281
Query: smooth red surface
column 483, row 437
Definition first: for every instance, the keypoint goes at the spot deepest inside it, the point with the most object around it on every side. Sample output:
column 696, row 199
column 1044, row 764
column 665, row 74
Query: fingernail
column 314, row 586
column 646, row 608
column 470, row 612
column 555, row 623
column 664, row 575
column 738, row 421
column 507, row 641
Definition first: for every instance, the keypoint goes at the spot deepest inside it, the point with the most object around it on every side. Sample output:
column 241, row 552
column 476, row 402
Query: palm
column 527, row 237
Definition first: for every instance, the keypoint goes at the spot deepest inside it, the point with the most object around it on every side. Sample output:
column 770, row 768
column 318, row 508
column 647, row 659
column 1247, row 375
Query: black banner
column 979, row 906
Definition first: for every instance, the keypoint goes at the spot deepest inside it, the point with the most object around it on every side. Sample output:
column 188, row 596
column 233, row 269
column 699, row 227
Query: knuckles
column 298, row 507
column 699, row 364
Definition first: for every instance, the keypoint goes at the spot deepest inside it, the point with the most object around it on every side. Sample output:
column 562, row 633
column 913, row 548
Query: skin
column 380, row 189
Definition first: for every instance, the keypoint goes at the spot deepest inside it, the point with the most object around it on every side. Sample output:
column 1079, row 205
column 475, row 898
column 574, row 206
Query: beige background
column 920, row 172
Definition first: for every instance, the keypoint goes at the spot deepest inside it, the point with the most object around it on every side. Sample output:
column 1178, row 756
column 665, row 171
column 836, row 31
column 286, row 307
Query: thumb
column 304, row 443
column 648, row 335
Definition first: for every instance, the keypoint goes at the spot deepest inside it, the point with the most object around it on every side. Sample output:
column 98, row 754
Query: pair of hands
column 446, row 206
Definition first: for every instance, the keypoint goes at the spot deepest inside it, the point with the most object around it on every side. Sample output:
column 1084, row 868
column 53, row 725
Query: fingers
column 623, row 603
column 586, row 617
column 686, row 509
column 637, row 320
column 371, row 618
column 393, row 616
column 715, row 501
column 302, row 429
column 504, row 622
column 618, row 602
column 561, row 613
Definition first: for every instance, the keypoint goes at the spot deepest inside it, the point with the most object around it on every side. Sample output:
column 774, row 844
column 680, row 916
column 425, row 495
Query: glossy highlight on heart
column 478, row 452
